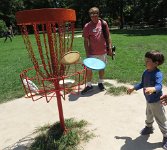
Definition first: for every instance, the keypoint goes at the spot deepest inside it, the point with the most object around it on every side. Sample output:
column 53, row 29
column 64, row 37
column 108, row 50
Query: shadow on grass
column 141, row 32
column 22, row 144
column 51, row 137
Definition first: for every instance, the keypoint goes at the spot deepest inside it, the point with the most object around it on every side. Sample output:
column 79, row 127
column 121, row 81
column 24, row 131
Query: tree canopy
column 116, row 12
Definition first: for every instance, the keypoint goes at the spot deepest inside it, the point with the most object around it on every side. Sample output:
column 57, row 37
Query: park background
column 136, row 27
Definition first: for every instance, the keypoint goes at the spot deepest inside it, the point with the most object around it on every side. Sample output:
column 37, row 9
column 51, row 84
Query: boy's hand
column 130, row 90
column 149, row 90
column 163, row 99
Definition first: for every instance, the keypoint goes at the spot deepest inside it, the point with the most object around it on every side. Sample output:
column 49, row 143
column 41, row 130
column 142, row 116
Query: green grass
column 115, row 91
column 51, row 137
column 13, row 60
column 131, row 48
column 131, row 45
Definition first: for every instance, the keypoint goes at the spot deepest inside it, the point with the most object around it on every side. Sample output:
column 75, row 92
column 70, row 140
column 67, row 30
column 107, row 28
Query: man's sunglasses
column 93, row 14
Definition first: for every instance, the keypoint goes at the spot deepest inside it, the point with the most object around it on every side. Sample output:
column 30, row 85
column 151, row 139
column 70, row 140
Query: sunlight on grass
column 51, row 137
column 116, row 91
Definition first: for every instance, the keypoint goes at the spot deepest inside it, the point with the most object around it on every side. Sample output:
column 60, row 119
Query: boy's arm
column 158, row 82
column 139, row 85
column 135, row 87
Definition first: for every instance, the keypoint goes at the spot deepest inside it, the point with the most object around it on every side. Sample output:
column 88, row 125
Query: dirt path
column 116, row 121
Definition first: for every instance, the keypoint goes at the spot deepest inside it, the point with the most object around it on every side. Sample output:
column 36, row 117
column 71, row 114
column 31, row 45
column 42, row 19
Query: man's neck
column 95, row 21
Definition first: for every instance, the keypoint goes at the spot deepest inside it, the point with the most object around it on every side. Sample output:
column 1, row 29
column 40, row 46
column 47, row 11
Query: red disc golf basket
column 48, row 36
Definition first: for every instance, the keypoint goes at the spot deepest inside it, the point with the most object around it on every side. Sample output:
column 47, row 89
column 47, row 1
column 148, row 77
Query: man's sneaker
column 101, row 86
column 87, row 89
column 164, row 143
column 147, row 130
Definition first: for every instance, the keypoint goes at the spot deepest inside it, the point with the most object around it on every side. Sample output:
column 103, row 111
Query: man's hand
column 163, row 99
column 109, row 52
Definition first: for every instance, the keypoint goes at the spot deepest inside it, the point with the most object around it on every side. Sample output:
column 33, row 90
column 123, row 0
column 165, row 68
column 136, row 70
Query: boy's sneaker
column 147, row 130
column 101, row 86
column 164, row 143
column 87, row 89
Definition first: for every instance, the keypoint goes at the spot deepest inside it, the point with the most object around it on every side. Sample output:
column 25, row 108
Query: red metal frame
column 52, row 25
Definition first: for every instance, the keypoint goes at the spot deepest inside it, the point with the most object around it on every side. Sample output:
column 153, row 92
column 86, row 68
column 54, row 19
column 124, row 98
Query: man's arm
column 86, row 45
column 109, row 41
column 110, row 53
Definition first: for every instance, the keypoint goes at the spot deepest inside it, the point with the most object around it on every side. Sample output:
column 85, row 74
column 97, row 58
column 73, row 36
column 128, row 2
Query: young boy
column 151, row 83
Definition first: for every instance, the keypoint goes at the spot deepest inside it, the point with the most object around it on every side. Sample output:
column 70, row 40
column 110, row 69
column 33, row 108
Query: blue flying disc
column 94, row 63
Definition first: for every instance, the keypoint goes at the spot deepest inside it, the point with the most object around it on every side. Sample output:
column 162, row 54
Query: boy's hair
column 94, row 9
column 155, row 56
